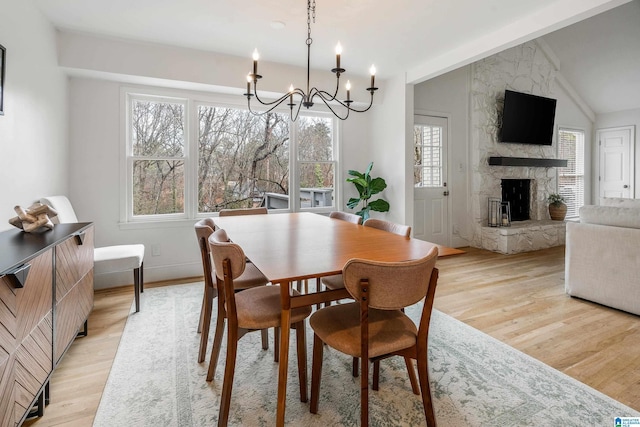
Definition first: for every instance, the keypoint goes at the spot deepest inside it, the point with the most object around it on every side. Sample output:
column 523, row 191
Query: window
column 316, row 163
column 427, row 156
column 157, row 160
column 230, row 159
column 571, row 178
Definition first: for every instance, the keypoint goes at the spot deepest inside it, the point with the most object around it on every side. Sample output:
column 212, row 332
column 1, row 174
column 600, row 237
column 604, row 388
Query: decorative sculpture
column 34, row 217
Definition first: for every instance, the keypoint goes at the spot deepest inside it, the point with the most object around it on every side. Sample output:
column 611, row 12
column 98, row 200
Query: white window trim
column 585, row 165
column 192, row 100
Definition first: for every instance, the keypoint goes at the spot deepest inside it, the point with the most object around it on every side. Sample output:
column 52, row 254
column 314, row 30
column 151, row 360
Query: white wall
column 448, row 96
column 618, row 119
column 389, row 150
column 33, row 129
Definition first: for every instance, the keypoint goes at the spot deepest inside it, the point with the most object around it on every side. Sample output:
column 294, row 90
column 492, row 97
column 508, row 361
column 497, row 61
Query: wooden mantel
column 527, row 161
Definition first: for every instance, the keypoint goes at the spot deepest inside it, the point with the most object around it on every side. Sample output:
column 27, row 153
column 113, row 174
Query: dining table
column 293, row 247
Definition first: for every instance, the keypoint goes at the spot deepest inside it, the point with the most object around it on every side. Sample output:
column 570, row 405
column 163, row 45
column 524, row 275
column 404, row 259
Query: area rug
column 476, row 380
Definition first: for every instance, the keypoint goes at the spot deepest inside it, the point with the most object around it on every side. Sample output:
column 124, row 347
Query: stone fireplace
column 524, row 68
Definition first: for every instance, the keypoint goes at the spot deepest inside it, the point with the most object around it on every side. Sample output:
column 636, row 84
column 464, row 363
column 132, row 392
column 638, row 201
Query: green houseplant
column 557, row 207
column 367, row 187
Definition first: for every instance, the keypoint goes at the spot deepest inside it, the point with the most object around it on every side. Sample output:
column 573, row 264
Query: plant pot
column 558, row 211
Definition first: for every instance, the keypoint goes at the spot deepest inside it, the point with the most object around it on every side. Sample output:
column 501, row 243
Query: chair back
column 62, row 205
column 222, row 249
column 346, row 216
column 399, row 229
column 245, row 211
column 204, row 228
column 391, row 285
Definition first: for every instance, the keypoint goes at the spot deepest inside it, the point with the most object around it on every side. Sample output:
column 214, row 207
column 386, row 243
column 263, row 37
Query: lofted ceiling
column 421, row 38
column 600, row 57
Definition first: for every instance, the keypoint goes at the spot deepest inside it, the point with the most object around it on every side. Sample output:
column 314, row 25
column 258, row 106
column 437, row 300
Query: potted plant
column 367, row 187
column 557, row 207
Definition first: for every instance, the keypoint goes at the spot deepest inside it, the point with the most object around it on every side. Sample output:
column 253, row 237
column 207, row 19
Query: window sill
column 159, row 224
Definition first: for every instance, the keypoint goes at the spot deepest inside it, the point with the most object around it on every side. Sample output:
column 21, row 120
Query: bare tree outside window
column 158, row 148
column 240, row 157
column 186, row 158
column 316, row 161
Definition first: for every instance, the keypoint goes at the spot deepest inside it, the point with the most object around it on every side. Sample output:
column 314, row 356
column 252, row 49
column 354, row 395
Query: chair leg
column 412, row 375
column 215, row 351
column 142, row 277
column 136, row 287
column 423, row 375
column 355, row 367
column 205, row 322
column 229, row 370
column 316, row 373
column 301, row 341
column 265, row 339
column 276, row 345
column 364, row 393
column 204, row 301
column 376, row 375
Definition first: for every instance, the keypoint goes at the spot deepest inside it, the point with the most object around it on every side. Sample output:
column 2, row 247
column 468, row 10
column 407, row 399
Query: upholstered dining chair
column 249, row 310
column 346, row 216
column 106, row 259
column 374, row 327
column 251, row 277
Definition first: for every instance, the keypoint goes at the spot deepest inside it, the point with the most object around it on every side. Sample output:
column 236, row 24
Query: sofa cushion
column 620, row 202
column 610, row 215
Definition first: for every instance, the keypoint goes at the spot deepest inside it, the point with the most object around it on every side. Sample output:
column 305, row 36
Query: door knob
column 445, row 193
column 625, row 186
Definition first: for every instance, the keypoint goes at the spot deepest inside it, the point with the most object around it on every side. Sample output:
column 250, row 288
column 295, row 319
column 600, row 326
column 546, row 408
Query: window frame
column 192, row 100
column 573, row 129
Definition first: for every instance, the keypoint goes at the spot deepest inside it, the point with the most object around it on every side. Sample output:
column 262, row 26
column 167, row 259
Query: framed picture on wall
column 2, row 67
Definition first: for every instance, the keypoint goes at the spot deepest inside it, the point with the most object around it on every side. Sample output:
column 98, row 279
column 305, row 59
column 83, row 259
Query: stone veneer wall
column 524, row 68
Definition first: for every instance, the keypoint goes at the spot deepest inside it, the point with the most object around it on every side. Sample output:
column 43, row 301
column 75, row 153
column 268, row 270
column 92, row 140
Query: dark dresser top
column 16, row 246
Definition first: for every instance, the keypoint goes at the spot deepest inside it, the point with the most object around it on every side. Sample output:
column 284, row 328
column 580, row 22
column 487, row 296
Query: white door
column 430, row 204
column 615, row 161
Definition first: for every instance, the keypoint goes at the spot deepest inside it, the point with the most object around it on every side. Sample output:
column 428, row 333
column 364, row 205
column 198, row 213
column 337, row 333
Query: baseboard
column 151, row 274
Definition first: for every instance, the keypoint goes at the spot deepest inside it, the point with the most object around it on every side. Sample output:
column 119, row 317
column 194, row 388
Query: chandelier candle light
column 307, row 97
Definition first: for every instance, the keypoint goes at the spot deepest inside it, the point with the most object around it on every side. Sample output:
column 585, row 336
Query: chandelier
column 340, row 109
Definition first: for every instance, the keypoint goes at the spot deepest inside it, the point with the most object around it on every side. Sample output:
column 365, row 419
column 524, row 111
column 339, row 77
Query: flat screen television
column 527, row 119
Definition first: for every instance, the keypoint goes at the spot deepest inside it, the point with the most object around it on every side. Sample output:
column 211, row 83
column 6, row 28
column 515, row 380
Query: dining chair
column 346, row 216
column 243, row 211
column 106, row 259
column 337, row 281
column 374, row 328
column 248, row 310
column 251, row 277
column 391, row 227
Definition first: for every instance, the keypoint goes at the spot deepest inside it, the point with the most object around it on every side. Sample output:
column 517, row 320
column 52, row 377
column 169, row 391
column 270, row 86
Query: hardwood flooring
column 518, row 299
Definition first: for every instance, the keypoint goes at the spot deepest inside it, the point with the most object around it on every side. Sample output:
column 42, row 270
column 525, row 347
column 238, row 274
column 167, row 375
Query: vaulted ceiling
column 421, row 38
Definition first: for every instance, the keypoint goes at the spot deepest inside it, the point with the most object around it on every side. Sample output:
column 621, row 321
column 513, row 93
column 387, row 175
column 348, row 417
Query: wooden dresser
column 46, row 295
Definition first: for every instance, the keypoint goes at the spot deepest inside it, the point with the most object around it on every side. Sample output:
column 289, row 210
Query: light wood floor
column 518, row 299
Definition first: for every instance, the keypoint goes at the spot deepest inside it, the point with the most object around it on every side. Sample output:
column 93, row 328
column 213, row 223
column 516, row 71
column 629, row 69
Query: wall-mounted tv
column 527, row 119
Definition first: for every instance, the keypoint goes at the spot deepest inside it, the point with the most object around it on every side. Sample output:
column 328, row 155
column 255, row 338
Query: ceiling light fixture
column 307, row 97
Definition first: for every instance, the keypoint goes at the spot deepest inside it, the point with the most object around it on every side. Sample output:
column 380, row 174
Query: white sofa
column 602, row 260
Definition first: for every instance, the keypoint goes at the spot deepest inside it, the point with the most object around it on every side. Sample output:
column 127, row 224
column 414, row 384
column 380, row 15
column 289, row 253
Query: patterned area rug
column 476, row 380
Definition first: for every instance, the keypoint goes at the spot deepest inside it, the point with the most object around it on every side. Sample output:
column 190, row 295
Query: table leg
column 283, row 366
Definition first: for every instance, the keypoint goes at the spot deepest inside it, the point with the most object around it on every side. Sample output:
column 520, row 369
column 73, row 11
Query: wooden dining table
column 292, row 247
